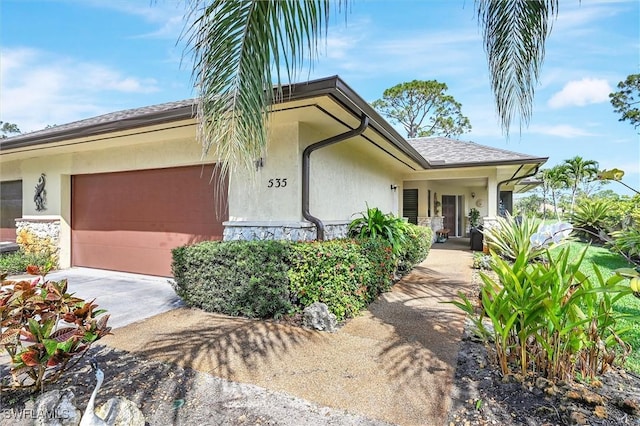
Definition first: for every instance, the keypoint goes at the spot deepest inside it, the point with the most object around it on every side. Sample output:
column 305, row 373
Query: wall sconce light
column 394, row 187
column 473, row 195
column 259, row 163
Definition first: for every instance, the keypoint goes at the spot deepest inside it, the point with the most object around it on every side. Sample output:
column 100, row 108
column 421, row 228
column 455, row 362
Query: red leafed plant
column 42, row 328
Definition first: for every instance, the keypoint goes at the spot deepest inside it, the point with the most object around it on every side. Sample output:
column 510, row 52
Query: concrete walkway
column 395, row 362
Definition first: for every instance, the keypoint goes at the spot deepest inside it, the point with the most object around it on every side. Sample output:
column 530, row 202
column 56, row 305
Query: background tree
column 240, row 48
column 423, row 108
column 555, row 180
column 529, row 206
column 626, row 101
column 8, row 129
column 579, row 172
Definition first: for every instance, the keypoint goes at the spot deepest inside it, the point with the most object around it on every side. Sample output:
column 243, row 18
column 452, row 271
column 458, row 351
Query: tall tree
column 626, row 101
column 423, row 108
column 554, row 180
column 579, row 172
column 237, row 45
column 7, row 129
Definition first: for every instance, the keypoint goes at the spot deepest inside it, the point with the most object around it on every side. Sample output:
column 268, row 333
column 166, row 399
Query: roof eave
column 343, row 94
column 181, row 113
column 539, row 161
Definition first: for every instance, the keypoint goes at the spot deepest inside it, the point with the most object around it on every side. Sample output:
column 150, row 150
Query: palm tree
column 238, row 46
column 578, row 172
column 557, row 182
column 553, row 181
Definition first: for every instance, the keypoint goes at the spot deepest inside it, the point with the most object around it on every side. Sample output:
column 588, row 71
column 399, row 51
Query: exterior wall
column 251, row 198
column 344, row 178
column 161, row 149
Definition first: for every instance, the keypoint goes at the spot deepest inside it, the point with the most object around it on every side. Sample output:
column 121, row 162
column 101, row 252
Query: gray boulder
column 120, row 411
column 56, row 408
column 318, row 317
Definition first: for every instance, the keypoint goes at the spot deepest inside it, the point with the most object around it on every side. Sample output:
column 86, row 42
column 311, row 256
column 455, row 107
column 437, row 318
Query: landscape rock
column 56, row 408
column 120, row 411
column 318, row 317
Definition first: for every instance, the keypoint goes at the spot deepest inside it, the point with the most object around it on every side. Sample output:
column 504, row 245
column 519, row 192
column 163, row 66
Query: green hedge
column 415, row 248
column 234, row 278
column 261, row 279
column 343, row 274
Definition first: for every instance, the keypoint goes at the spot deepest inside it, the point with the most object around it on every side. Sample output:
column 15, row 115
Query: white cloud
column 38, row 88
column 580, row 93
column 561, row 130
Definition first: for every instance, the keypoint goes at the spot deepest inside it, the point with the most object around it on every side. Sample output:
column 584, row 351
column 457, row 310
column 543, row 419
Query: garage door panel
column 130, row 221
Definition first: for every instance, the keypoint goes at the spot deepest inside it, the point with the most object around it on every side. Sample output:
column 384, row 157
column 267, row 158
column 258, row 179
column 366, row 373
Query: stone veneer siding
column 436, row 223
column 39, row 236
column 296, row 231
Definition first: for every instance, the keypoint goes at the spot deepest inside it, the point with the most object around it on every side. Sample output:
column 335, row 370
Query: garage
column 130, row 221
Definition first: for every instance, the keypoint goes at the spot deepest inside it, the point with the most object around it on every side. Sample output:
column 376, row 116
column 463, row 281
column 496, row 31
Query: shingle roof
column 113, row 121
column 447, row 152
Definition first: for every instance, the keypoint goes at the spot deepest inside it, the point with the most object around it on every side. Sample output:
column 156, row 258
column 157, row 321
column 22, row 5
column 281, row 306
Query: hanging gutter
column 306, row 161
column 514, row 178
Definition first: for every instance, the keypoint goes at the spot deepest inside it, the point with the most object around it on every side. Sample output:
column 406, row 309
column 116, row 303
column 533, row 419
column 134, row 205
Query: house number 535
column 277, row 183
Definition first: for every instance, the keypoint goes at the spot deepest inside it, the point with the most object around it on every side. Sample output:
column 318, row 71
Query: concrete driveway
column 129, row 298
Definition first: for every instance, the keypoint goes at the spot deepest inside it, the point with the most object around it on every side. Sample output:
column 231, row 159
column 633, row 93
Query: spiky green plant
column 592, row 218
column 510, row 236
column 376, row 224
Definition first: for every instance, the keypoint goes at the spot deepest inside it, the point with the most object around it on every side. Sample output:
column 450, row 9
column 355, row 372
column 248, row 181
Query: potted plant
column 476, row 239
column 474, row 217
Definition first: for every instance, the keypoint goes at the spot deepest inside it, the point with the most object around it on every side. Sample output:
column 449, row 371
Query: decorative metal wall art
column 40, row 197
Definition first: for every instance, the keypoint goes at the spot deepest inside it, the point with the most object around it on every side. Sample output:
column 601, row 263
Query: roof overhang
column 289, row 97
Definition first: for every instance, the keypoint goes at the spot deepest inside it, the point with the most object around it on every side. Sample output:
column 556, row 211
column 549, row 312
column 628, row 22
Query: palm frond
column 515, row 32
column 236, row 46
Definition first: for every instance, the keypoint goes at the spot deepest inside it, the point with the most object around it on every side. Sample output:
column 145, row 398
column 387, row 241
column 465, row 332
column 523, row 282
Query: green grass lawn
column 607, row 262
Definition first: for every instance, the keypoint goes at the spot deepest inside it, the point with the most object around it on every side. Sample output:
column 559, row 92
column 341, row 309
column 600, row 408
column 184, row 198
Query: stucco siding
column 346, row 177
column 273, row 190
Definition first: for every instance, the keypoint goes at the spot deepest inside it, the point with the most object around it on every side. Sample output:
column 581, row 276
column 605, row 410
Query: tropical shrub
column 242, row 278
column 593, row 219
column 549, row 318
column 511, row 236
column 17, row 261
column 625, row 212
column 415, row 247
column 44, row 328
column 376, row 224
column 626, row 242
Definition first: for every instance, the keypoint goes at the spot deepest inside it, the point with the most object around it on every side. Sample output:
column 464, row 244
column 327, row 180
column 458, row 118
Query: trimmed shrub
column 261, row 279
column 379, row 253
column 415, row 247
column 338, row 273
column 238, row 278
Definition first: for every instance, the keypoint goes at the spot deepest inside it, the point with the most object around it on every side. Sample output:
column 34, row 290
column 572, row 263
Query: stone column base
column 289, row 231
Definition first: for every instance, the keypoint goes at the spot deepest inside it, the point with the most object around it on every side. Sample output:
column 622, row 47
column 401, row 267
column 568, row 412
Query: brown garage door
column 130, row 221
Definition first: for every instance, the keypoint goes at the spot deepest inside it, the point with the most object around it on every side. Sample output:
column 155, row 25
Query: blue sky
column 64, row 60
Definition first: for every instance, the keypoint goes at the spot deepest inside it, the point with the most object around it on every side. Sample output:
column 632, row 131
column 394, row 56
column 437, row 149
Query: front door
column 449, row 213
